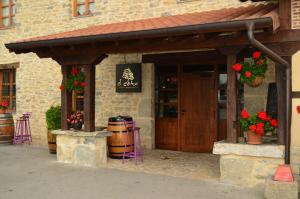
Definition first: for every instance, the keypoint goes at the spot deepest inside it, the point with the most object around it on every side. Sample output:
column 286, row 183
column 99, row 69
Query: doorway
column 186, row 107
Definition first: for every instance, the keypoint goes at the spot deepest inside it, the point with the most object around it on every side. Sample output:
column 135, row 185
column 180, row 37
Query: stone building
column 34, row 82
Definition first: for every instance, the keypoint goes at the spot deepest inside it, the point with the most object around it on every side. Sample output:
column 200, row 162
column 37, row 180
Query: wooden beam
column 89, row 98
column 186, row 42
column 232, row 123
column 285, row 14
column 296, row 94
column 66, row 99
column 206, row 57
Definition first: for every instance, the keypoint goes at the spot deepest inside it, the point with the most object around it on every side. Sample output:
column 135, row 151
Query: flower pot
column 51, row 142
column 77, row 126
column 257, row 81
column 253, row 138
column 2, row 111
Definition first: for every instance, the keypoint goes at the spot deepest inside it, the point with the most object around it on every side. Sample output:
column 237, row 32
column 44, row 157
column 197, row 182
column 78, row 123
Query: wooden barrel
column 51, row 142
column 6, row 128
column 116, row 143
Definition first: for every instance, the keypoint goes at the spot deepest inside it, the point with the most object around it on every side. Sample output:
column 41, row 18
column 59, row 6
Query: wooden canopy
column 219, row 29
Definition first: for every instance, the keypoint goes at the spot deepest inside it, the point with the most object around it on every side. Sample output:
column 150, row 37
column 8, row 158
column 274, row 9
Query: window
column 7, row 13
column 83, row 7
column 8, row 87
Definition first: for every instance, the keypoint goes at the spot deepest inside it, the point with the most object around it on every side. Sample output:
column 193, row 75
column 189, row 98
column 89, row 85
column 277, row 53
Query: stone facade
column 248, row 165
column 38, row 79
column 82, row 149
column 256, row 98
column 295, row 14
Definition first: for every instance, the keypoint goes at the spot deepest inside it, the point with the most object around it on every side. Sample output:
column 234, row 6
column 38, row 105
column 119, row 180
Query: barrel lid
column 120, row 118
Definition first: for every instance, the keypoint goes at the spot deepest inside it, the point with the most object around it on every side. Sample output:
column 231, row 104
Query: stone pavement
column 32, row 173
column 173, row 163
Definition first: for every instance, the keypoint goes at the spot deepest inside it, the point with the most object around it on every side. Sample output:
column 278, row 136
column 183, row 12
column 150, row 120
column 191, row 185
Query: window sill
column 82, row 16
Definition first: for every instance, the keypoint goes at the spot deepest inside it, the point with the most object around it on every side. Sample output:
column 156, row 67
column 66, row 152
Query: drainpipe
column 275, row 57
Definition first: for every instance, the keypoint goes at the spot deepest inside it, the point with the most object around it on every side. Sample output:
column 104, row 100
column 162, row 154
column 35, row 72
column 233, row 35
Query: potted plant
column 252, row 72
column 3, row 106
column 53, row 120
column 257, row 125
column 75, row 120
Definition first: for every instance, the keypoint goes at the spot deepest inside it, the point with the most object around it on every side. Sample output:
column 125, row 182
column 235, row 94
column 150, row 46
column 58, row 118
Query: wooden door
column 198, row 125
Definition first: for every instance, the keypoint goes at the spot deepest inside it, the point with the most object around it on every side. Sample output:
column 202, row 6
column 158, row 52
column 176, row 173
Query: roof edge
column 266, row 22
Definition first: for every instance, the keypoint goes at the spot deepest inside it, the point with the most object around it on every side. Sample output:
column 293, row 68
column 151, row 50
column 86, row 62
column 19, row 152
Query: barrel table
column 6, row 128
column 116, row 143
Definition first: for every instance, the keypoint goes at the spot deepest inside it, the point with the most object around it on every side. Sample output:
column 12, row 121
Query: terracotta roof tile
column 214, row 16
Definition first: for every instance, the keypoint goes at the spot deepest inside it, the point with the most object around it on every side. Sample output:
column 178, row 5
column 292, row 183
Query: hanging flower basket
column 252, row 72
column 75, row 81
column 258, row 80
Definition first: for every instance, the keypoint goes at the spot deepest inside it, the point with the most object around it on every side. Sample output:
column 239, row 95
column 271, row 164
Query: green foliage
column 75, row 81
column 53, row 118
column 254, row 120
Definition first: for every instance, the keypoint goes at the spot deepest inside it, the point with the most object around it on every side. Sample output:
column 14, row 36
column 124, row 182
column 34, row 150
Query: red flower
column 74, row 71
column 4, row 103
column 61, row 87
column 237, row 67
column 248, row 74
column 75, row 83
column 274, row 123
column 245, row 114
column 260, row 125
column 82, row 84
column 252, row 128
column 256, row 55
column 260, row 131
column 263, row 116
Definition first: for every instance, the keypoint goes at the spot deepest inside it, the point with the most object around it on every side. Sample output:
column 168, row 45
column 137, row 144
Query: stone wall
column 256, row 98
column 295, row 14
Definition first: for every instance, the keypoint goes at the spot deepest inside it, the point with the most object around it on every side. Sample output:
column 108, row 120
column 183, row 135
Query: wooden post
column 66, row 99
column 285, row 14
column 231, row 100
column 89, row 98
column 232, row 123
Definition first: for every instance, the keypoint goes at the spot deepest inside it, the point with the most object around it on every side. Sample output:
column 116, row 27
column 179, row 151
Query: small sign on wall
column 128, row 78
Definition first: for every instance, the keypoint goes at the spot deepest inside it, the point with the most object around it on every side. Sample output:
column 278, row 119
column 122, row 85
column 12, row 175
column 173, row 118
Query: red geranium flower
column 82, row 84
column 61, row 87
column 245, row 114
column 75, row 83
column 4, row 103
column 263, row 116
column 260, row 131
column 237, row 67
column 248, row 74
column 252, row 127
column 260, row 125
column 274, row 123
column 74, row 71
column 256, row 55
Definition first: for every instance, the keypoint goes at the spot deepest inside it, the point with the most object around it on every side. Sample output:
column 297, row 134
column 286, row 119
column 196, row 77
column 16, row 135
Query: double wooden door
column 194, row 128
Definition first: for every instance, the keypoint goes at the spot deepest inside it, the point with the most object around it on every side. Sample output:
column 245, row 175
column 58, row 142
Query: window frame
column 10, row 5
column 86, row 10
column 10, row 97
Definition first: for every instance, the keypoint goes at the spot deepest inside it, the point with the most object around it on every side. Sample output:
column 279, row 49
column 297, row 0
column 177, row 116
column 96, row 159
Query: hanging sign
column 128, row 78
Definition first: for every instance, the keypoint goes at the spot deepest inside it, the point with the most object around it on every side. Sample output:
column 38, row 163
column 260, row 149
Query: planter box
column 82, row 148
column 248, row 165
